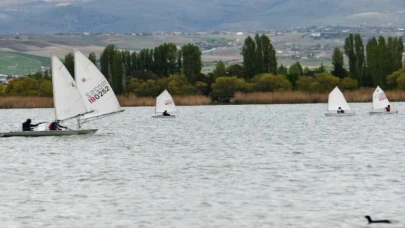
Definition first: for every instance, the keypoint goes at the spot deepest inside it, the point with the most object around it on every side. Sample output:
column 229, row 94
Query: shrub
column 348, row 84
column 271, row 83
column 227, row 86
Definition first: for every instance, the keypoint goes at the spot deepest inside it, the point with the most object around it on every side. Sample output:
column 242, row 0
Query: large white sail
column 336, row 100
column 67, row 100
column 94, row 88
column 380, row 100
column 165, row 102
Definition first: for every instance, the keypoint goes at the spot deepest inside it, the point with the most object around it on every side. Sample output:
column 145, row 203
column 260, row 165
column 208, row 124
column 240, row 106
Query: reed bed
column 132, row 100
column 26, row 102
column 288, row 97
column 294, row 97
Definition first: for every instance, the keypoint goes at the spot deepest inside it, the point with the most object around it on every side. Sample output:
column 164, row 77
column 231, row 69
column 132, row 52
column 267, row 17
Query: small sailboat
column 336, row 100
column 380, row 103
column 164, row 103
column 87, row 98
column 68, row 103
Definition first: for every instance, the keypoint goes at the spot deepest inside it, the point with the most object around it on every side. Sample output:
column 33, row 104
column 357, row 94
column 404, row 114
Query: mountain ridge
column 125, row 16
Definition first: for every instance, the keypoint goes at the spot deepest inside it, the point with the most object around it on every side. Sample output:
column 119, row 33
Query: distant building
column 239, row 33
column 3, row 79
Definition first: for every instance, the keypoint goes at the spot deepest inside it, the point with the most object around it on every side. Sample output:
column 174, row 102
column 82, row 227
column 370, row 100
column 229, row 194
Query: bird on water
column 376, row 221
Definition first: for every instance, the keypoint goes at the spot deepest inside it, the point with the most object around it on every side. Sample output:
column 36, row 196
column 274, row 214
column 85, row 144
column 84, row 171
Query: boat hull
column 383, row 113
column 330, row 114
column 47, row 133
column 164, row 117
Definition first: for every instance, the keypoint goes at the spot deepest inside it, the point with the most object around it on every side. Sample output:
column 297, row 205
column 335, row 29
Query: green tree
column 324, row 82
column 106, row 61
column 93, row 58
column 117, row 73
column 304, row 83
column 294, row 72
column 45, row 89
column 178, row 85
column 70, row 63
column 192, row 63
column 220, row 70
column 269, row 83
column 348, row 84
column 235, row 70
column 354, row 50
column 338, row 64
column 227, row 86
column 282, row 70
column 249, row 57
column 22, row 87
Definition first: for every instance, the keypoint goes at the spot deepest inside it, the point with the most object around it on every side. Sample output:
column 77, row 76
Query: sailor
column 27, row 126
column 56, row 126
column 388, row 108
column 340, row 110
column 165, row 113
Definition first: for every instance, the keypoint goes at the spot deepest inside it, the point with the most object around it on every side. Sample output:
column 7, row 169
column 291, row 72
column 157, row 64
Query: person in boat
column 165, row 113
column 340, row 110
column 27, row 126
column 55, row 126
column 388, row 108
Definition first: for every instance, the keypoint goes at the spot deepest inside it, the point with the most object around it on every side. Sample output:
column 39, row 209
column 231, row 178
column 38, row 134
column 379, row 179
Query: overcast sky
column 11, row 2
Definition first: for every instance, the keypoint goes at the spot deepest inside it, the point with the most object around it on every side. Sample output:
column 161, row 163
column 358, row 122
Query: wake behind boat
column 381, row 104
column 337, row 100
column 164, row 105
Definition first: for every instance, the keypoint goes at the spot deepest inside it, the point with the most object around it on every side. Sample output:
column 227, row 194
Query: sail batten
column 336, row 100
column 96, row 91
column 165, row 102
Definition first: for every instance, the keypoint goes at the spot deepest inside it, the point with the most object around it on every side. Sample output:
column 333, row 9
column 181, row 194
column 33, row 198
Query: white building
column 3, row 78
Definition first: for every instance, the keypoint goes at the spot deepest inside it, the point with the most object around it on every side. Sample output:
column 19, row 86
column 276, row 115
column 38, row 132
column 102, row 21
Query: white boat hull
column 164, row 117
column 331, row 114
column 383, row 113
column 47, row 133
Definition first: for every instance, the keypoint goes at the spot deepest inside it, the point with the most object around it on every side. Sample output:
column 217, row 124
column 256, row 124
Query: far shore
column 287, row 97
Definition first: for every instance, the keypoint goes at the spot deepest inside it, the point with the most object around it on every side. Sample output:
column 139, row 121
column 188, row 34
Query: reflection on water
column 212, row 166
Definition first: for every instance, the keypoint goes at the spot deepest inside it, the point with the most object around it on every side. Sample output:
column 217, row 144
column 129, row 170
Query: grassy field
column 20, row 64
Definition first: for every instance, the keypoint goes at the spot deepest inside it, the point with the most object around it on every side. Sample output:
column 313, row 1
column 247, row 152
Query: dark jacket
column 26, row 126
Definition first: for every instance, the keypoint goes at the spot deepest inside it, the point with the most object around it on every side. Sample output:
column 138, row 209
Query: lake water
column 212, row 166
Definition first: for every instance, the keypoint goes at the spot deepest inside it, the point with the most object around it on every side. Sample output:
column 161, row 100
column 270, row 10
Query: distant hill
column 37, row 16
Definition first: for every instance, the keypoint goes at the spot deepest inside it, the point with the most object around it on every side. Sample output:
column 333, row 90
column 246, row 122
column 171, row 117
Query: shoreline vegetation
column 288, row 97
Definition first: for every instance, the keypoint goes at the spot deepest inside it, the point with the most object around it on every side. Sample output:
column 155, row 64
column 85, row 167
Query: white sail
column 380, row 100
column 165, row 102
column 94, row 88
column 67, row 99
column 336, row 100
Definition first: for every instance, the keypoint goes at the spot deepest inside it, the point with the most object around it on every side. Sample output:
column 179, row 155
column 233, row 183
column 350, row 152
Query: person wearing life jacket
column 340, row 110
column 165, row 113
column 54, row 126
column 388, row 108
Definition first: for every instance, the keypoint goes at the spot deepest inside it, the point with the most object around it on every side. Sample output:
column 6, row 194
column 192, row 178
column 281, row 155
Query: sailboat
column 336, row 100
column 164, row 102
column 88, row 97
column 67, row 100
column 380, row 102
column 95, row 90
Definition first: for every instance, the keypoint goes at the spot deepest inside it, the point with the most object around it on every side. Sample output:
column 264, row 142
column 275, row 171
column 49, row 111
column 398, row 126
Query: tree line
column 167, row 66
column 370, row 65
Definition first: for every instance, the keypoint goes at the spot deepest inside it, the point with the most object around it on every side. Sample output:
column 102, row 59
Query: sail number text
column 99, row 91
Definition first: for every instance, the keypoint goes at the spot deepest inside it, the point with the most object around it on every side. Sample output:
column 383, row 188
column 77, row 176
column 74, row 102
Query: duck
column 376, row 221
